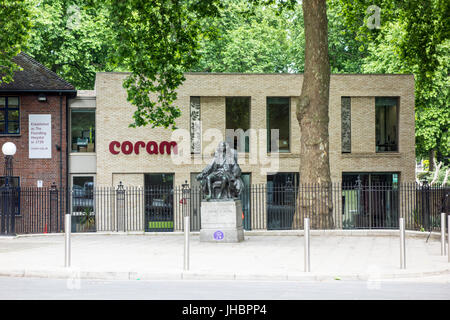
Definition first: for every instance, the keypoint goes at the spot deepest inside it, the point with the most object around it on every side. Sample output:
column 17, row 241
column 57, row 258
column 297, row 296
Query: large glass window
column 82, row 194
column 278, row 118
column 386, row 124
column 370, row 200
column 9, row 115
column 13, row 181
column 281, row 199
column 238, row 118
column 83, row 130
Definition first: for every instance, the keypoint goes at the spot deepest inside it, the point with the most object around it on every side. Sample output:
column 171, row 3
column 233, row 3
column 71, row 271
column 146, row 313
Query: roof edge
column 32, row 60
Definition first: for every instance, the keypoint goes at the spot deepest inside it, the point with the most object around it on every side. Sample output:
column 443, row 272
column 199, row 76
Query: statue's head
column 223, row 147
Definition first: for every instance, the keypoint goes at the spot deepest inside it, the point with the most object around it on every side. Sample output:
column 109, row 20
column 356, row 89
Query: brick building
column 371, row 131
column 33, row 115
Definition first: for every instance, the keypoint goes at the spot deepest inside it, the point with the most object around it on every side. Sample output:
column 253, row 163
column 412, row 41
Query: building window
column 83, row 130
column 238, row 122
column 278, row 118
column 196, row 130
column 386, row 123
column 82, row 194
column 9, row 115
column 13, row 181
column 346, row 125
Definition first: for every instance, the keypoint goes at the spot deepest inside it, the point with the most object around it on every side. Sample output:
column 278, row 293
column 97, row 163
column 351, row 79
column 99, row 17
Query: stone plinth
column 221, row 221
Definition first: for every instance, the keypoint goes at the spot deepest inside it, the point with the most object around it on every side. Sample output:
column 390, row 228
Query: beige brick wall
column 114, row 115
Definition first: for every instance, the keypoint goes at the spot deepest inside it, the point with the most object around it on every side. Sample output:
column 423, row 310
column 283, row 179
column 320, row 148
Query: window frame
column 95, row 129
column 397, row 123
column 268, row 122
column 6, row 121
column 83, row 175
column 249, row 121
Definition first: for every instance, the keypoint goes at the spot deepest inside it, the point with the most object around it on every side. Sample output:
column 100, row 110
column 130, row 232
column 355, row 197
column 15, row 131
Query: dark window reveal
column 386, row 110
column 83, row 130
column 83, row 194
column 9, row 115
column 13, row 182
column 238, row 117
column 278, row 117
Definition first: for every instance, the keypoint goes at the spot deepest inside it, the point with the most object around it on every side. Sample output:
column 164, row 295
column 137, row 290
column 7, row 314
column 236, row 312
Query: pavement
column 271, row 256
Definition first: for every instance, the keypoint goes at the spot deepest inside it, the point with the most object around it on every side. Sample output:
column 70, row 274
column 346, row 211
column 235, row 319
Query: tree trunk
column 431, row 161
column 314, row 198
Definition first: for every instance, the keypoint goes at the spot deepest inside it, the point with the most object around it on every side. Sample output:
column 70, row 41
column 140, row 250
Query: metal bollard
column 443, row 234
column 307, row 245
column 186, row 242
column 68, row 229
column 402, row 244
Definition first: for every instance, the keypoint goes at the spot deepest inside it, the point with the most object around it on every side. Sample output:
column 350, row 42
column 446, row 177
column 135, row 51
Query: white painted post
column 67, row 231
column 186, row 242
column 448, row 238
column 443, row 234
column 307, row 245
column 402, row 244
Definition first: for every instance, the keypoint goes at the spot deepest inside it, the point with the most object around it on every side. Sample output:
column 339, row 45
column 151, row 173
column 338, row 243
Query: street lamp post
column 9, row 150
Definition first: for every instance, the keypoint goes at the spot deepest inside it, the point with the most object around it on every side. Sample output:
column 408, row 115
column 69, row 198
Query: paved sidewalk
column 264, row 257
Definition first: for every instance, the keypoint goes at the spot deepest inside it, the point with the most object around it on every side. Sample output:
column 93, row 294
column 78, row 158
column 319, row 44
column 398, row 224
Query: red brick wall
column 32, row 170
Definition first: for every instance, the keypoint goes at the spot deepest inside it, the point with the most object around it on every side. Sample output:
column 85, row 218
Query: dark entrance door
column 281, row 195
column 159, row 196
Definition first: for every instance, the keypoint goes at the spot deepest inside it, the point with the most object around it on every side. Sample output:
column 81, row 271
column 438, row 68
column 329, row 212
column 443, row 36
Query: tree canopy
column 15, row 24
column 159, row 40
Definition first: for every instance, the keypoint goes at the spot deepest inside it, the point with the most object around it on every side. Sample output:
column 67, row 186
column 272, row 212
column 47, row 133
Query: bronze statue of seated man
column 225, row 170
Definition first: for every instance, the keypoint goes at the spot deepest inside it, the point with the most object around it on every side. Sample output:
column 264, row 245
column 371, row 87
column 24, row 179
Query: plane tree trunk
column 314, row 197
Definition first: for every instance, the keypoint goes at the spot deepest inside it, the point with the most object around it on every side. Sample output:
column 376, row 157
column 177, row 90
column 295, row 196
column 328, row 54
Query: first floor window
column 238, row 122
column 83, row 130
column 9, row 115
column 278, row 118
column 386, row 123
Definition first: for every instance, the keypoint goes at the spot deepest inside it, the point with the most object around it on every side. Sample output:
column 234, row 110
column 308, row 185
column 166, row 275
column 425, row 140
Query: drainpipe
column 67, row 154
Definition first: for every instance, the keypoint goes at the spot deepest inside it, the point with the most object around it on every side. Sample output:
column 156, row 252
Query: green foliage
column 266, row 37
column 15, row 23
column 157, row 41
column 248, row 38
column 74, row 39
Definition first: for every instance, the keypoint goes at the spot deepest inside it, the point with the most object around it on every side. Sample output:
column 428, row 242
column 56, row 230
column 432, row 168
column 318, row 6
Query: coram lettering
column 127, row 147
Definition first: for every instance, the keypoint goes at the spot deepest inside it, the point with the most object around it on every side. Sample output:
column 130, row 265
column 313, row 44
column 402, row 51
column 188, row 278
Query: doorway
column 158, row 202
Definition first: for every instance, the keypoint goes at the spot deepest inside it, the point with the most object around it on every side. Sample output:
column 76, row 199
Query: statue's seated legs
column 215, row 181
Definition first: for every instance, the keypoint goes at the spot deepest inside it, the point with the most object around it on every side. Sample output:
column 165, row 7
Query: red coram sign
column 127, row 147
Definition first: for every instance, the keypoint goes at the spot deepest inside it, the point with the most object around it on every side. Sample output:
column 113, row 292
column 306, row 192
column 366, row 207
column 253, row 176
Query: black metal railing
column 264, row 207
